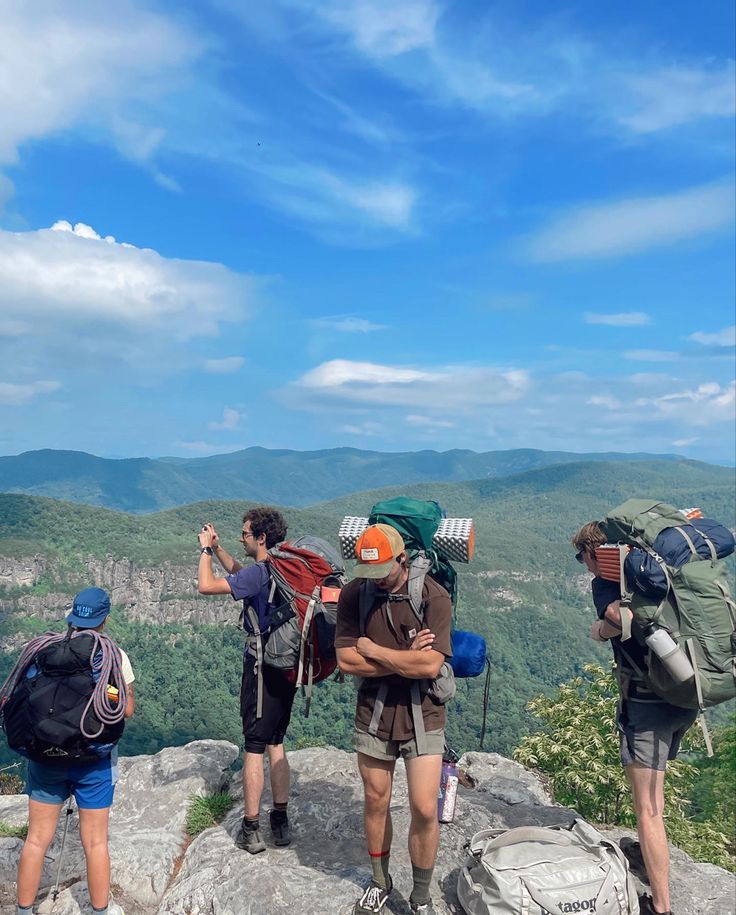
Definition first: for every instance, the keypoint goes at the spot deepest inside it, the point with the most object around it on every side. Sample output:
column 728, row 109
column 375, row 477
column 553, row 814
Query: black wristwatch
column 207, row 550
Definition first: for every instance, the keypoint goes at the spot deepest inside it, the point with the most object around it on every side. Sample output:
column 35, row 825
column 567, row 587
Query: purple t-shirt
column 252, row 584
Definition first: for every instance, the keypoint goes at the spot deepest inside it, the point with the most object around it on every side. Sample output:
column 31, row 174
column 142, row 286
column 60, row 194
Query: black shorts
column 278, row 698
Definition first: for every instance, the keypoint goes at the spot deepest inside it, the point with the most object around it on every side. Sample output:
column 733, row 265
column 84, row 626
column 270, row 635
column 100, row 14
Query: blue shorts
column 93, row 784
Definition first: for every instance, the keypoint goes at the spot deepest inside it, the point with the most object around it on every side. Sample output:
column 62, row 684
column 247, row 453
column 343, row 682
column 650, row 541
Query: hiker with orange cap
column 381, row 640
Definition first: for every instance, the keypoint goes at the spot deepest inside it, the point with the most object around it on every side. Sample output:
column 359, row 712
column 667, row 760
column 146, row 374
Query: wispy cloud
column 428, row 422
column 701, row 406
column 383, row 28
column 651, row 355
column 347, row 324
column 228, row 365
column 725, row 337
column 672, row 96
column 634, row 225
column 17, row 395
column 619, row 319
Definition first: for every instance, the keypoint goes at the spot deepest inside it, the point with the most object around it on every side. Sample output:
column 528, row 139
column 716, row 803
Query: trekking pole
column 69, row 812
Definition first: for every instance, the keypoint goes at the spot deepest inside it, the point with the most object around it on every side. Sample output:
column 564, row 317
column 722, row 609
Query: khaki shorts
column 379, row 748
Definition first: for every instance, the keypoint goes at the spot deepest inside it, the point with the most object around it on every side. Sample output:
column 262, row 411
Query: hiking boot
column 422, row 908
column 646, row 907
column 280, row 827
column 250, row 840
column 373, row 900
column 114, row 909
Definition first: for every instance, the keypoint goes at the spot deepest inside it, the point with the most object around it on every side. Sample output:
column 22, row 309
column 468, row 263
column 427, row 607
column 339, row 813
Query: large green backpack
column 697, row 609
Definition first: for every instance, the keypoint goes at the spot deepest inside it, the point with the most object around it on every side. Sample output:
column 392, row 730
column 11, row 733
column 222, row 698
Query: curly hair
column 268, row 521
column 589, row 537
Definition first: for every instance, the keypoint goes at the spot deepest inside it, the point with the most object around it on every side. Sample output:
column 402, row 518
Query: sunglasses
column 580, row 555
column 245, row 534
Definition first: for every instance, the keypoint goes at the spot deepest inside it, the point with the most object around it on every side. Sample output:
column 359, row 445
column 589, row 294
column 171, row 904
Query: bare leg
column 647, row 789
column 423, row 778
column 279, row 766
column 93, row 833
column 252, row 784
column 42, row 822
column 378, row 776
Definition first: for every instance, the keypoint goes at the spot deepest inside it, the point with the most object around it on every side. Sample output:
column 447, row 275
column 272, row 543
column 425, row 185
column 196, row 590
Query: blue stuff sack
column 645, row 575
column 468, row 653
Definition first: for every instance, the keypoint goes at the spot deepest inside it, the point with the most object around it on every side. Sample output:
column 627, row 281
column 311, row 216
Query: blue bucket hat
column 90, row 608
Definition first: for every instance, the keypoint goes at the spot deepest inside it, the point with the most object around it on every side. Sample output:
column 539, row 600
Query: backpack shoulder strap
column 418, row 570
column 366, row 599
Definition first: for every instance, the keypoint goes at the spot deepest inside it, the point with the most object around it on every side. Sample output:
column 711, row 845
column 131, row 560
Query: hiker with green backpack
column 396, row 648
column 662, row 601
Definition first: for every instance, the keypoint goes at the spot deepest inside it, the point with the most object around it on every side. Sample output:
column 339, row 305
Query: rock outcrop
column 164, row 594
column 156, row 870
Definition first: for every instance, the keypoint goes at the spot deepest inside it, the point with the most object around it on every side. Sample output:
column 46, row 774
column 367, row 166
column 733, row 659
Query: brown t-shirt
column 396, row 722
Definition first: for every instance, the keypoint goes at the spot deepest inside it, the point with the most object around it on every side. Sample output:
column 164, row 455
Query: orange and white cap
column 376, row 551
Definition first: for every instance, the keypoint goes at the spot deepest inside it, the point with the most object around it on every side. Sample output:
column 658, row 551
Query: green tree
column 577, row 749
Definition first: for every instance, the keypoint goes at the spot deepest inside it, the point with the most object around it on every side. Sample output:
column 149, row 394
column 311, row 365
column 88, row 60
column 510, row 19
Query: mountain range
column 283, row 477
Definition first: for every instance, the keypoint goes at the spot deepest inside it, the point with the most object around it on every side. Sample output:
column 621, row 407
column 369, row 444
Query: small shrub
column 207, row 811
column 13, row 832
column 11, row 783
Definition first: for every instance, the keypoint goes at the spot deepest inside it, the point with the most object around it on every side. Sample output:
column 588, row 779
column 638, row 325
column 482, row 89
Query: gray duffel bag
column 546, row 870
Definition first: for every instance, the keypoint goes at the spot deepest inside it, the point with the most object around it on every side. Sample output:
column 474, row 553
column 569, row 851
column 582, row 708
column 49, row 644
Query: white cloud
column 604, row 400
column 704, row 405
column 229, row 422
column 366, row 428
column 459, row 387
column 16, row 395
column 651, row 355
column 672, row 96
column 383, row 28
column 87, row 64
column 70, row 274
column 228, row 365
column 725, row 337
column 349, row 325
column 634, row 225
column 428, row 422
column 684, row 442
column 620, row 319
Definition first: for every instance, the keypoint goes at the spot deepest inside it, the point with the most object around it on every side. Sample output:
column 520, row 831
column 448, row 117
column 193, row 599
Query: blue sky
column 390, row 225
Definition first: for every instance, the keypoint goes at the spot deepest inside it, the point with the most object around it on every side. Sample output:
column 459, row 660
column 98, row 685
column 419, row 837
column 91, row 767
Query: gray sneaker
column 373, row 899
column 250, row 840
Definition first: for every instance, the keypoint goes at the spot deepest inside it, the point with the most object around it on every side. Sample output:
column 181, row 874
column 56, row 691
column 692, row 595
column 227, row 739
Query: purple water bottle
column 448, row 791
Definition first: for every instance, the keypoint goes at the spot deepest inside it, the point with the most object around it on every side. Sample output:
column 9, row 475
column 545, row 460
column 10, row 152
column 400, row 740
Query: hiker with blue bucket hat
column 64, row 707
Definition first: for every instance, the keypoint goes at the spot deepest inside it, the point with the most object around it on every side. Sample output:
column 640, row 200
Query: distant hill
column 296, row 478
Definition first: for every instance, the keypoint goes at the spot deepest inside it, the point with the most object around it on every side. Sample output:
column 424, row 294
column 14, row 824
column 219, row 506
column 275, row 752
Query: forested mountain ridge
column 523, row 591
column 280, row 476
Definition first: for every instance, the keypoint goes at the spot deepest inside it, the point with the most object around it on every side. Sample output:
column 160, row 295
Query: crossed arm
column 610, row 624
column 367, row 659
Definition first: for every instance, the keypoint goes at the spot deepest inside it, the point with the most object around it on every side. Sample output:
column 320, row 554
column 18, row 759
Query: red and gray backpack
column 307, row 576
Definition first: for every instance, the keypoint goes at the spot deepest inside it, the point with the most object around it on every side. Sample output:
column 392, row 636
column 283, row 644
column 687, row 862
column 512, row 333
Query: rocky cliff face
column 167, row 594
column 155, row 870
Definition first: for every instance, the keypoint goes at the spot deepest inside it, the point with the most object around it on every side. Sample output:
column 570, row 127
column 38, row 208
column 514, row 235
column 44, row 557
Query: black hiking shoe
column 422, row 908
column 250, row 840
column 632, row 852
column 280, row 827
column 373, row 899
column 646, row 906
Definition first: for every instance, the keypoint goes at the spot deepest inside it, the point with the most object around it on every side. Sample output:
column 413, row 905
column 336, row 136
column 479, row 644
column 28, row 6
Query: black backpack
column 60, row 713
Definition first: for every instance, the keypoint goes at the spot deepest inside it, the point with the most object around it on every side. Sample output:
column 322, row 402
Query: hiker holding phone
column 263, row 528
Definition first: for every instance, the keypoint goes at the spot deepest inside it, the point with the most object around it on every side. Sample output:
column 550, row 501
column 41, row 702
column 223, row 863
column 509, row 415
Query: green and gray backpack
column 694, row 603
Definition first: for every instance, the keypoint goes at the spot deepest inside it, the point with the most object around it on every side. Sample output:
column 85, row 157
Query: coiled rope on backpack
column 106, row 662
